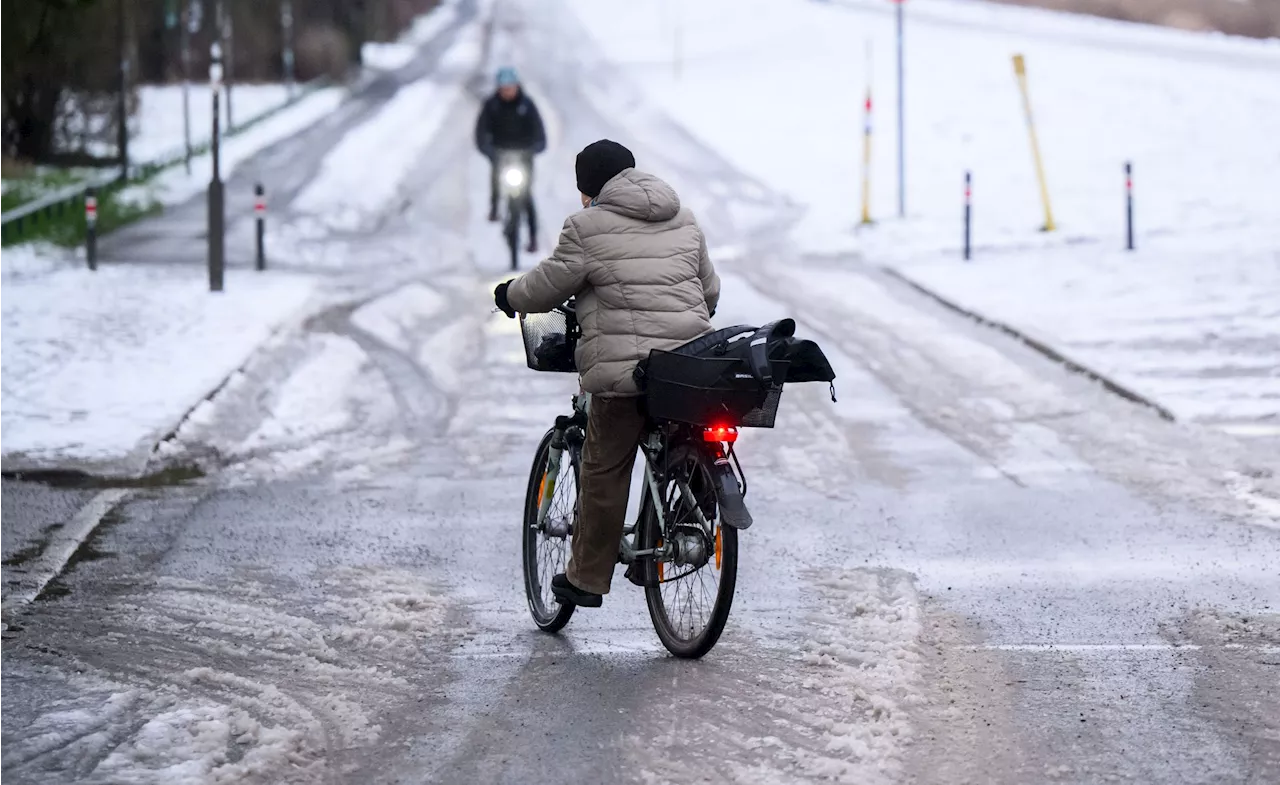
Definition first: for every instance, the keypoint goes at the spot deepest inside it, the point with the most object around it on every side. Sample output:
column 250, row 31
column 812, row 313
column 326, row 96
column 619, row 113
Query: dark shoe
column 532, row 247
column 568, row 594
column 493, row 213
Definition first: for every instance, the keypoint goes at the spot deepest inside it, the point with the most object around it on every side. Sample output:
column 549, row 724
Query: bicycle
column 683, row 547
column 513, row 169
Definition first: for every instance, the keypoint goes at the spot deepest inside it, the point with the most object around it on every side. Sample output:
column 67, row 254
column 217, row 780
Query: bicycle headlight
column 513, row 177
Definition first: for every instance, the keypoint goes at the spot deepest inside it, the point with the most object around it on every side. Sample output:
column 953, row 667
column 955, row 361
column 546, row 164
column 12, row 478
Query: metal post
column 122, row 101
column 91, row 227
column 260, row 213
column 1128, row 199
column 229, row 47
column 902, row 154
column 968, row 214
column 186, row 23
column 217, row 214
column 286, row 24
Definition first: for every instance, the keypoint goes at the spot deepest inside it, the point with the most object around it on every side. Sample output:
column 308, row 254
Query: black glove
column 500, row 299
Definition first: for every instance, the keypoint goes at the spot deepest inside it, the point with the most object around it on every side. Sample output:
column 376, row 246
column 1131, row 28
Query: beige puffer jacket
column 638, row 264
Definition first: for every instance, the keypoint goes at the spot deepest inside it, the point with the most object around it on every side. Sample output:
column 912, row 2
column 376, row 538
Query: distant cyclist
column 509, row 120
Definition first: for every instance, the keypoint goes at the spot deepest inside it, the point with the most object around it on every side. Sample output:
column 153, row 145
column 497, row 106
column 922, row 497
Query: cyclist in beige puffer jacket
column 637, row 263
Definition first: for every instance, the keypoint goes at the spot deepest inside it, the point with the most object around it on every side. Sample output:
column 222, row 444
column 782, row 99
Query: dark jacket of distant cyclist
column 510, row 125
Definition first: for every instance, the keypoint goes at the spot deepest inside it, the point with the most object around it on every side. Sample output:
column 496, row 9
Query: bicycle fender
column 733, row 508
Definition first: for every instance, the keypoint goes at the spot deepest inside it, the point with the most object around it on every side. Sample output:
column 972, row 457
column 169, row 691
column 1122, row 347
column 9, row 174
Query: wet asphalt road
column 975, row 567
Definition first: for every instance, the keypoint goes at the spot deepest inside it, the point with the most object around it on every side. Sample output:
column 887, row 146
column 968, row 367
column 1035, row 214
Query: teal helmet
column 507, row 76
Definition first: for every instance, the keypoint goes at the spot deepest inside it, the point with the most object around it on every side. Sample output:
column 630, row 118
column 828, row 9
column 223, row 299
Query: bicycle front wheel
column 546, row 548
column 512, row 231
column 690, row 592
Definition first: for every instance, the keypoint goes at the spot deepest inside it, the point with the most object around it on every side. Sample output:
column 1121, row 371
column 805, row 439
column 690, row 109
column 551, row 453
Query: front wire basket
column 549, row 341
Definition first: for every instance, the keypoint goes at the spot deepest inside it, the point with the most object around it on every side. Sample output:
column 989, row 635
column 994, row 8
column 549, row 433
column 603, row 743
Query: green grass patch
column 66, row 226
column 27, row 185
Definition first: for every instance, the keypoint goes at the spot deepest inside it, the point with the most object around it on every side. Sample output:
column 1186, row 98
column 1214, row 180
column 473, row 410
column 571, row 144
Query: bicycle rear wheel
column 689, row 596
column 546, row 550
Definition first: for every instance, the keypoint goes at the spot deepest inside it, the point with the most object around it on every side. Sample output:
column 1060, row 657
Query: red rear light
column 720, row 434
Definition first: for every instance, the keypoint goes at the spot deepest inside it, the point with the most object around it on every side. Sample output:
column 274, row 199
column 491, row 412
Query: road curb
column 1109, row 384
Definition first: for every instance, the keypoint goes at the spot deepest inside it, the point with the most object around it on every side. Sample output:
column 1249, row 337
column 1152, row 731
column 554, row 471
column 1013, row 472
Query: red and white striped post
column 91, row 227
column 260, row 214
column 968, row 213
column 1128, row 202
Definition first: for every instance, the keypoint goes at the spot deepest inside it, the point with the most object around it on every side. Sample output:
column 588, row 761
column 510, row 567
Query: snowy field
column 778, row 88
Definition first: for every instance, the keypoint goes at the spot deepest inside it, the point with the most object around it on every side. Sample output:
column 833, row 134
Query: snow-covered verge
column 1194, row 326
column 1196, row 114
column 98, row 366
column 160, row 119
column 175, row 185
column 392, row 55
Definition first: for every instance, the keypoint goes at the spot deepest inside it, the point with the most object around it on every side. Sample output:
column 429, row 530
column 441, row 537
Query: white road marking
column 49, row 564
column 1103, row 647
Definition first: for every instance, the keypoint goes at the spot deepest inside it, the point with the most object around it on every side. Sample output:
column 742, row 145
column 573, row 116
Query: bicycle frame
column 652, row 449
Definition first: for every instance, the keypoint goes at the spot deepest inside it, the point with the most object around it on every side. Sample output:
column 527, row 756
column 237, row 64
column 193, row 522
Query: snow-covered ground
column 777, row 88
column 175, row 185
column 160, row 120
column 388, row 56
column 344, row 194
column 1194, row 325
column 99, row 366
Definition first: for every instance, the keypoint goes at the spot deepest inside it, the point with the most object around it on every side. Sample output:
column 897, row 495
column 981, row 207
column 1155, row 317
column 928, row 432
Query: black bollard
column 91, row 227
column 968, row 213
column 1128, row 203
column 260, row 213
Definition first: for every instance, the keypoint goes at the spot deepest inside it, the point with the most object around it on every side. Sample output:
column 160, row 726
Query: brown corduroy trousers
column 614, row 428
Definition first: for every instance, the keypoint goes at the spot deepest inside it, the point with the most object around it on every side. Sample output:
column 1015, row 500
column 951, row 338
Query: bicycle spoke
column 690, row 595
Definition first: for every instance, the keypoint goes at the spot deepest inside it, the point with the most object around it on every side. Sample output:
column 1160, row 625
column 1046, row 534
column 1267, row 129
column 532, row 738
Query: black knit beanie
column 598, row 163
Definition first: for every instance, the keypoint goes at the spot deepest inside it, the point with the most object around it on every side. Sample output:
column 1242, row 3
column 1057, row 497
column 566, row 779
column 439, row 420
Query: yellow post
column 866, row 148
column 1020, row 69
